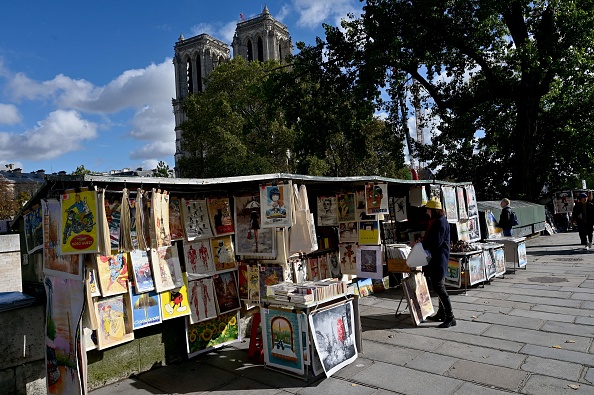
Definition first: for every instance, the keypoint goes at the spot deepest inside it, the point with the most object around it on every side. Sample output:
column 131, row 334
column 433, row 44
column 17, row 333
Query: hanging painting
column 281, row 335
column 202, row 300
column 418, row 297
column 369, row 262
column 360, row 207
column 376, row 198
column 221, row 216
column 417, row 196
column 327, row 211
column 462, row 211
column 250, row 238
column 314, row 269
column 522, row 257
column 450, row 205
column 166, row 268
column 253, row 284
column 489, row 259
column 348, row 232
column 176, row 227
column 476, row 269
column 471, row 201
column 160, row 236
column 174, row 302
column 462, row 230
column 92, row 282
column 55, row 264
column 333, row 333
column 453, row 275
column 474, row 229
column 198, row 258
column 269, row 275
column 112, row 203
column 493, row 231
column 195, row 219
column 78, row 226
column 563, row 202
column 400, row 209
column 206, row 335
column 275, row 201
column 113, row 274
column 334, row 265
column 33, row 222
column 146, row 309
column 369, row 232
column 115, row 323
column 300, row 270
column 346, row 207
column 499, row 261
column 141, row 270
column 324, row 266
column 223, row 254
column 242, row 280
column 348, row 258
column 226, row 291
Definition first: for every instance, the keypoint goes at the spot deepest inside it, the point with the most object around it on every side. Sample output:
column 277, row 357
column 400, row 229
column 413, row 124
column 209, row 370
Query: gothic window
column 189, row 78
column 199, row 73
column 260, row 50
column 280, row 52
column 250, row 51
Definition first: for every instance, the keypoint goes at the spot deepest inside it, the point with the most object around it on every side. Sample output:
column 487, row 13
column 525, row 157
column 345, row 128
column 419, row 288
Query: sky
column 91, row 83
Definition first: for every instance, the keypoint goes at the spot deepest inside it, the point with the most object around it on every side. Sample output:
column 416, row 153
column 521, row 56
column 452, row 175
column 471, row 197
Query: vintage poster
column 65, row 301
column 418, row 297
column 346, row 207
column 376, row 198
column 281, row 335
column 202, row 300
column 418, row 196
column 275, row 201
column 334, row 265
column 327, row 211
column 223, row 254
column 33, row 220
column 242, row 280
column 369, row 262
column 522, row 257
column 499, row 262
column 360, row 209
column 333, row 332
column 453, row 273
column 450, row 205
column 489, row 259
column 176, row 226
column 400, row 210
column 563, row 202
column 115, row 323
column 79, row 225
column 92, row 282
column 166, row 268
column 476, row 269
column 348, row 232
column 314, row 269
column 462, row 210
column 250, row 238
column 160, row 219
column 112, row 205
column 253, row 274
column 196, row 219
column 198, row 258
column 206, row 335
column 471, row 201
column 474, row 229
column 369, row 232
column 113, row 274
column 348, row 258
column 146, row 309
column 300, row 270
column 220, row 215
column 365, row 287
column 269, row 275
column 55, row 264
column 462, row 229
column 324, row 266
column 226, row 291
column 493, row 232
column 175, row 303
column 141, row 270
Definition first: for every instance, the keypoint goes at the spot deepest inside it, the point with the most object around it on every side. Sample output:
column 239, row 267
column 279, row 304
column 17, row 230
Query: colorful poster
column 242, row 279
column 493, row 232
column 160, row 236
column 226, row 291
column 175, row 303
column 346, row 207
column 348, row 258
column 166, row 268
column 220, row 216
column 314, row 269
column 376, row 198
column 333, row 332
column 476, row 269
column 55, row 264
column 453, row 274
column 563, row 202
column 462, row 229
column 113, row 204
column 327, row 211
column 281, row 335
column 418, row 297
column 92, row 282
column 253, row 284
column 450, row 205
column 471, row 201
column 176, row 226
column 65, row 301
column 113, row 274
column 206, row 335
column 195, row 219
column 33, row 220
column 250, row 238
column 146, row 309
column 361, row 207
column 78, row 226
column 474, row 229
column 369, row 232
column 223, row 253
column 202, row 300
column 198, row 258
column 462, row 210
column 370, row 262
column 115, row 323
column 141, row 270
column 489, row 259
column 522, row 257
column 269, row 275
column 348, row 232
column 275, row 210
column 499, row 261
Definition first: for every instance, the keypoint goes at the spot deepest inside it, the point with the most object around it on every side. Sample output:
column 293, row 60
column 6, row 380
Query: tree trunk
column 524, row 185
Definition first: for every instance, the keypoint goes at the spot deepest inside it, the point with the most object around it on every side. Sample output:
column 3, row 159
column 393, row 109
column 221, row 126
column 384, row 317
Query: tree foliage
column 8, row 204
column 81, row 171
column 162, row 170
column 506, row 84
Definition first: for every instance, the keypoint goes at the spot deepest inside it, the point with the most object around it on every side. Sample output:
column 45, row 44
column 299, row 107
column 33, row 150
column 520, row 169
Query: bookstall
column 515, row 252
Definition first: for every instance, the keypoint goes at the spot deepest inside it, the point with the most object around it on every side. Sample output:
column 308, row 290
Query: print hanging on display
column 499, row 262
column 79, row 229
column 221, row 217
column 522, row 257
column 146, row 309
column 417, row 196
column 55, row 264
column 376, row 198
column 33, row 220
column 360, row 209
column 471, row 201
column 476, row 269
column 333, row 332
column 175, row 302
column 462, row 229
column 160, row 236
column 250, row 238
column 435, row 192
column 195, row 219
column 314, row 269
column 92, row 282
column 166, row 268
column 346, row 207
column 242, row 280
column 202, row 300
column 115, row 321
column 400, row 209
column 418, row 297
column 226, row 291
column 493, row 231
column 369, row 232
column 474, row 229
column 141, row 270
column 327, row 211
column 300, row 270
column 113, row 274
column 348, row 232
column 453, row 273
column 324, row 266
column 450, row 205
column 176, row 227
column 223, row 254
column 462, row 211
column 198, row 258
column 113, row 203
column 334, row 265
column 269, row 275
column 489, row 259
column 207, row 335
column 348, row 258
column 275, row 210
column 563, row 202
column 369, row 262
column 281, row 335
column 253, row 284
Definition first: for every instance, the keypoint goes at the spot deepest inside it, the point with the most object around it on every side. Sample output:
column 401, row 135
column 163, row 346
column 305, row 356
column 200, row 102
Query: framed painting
column 333, row 332
column 462, row 210
column 146, row 309
column 207, row 335
column 348, row 232
column 269, row 275
column 202, row 300
column 314, row 269
column 112, row 271
column 365, row 287
column 220, row 215
column 166, row 268
column 300, row 270
column 493, row 232
column 471, row 201
column 499, row 261
column 223, row 254
column 453, row 273
column 450, row 205
column 346, row 207
column 253, row 274
column 476, row 269
column 348, row 258
column 474, row 229
column 376, row 198
column 195, row 219
column 275, row 205
column 400, row 209
column 79, row 228
column 227, row 295
column 115, row 323
column 141, row 271
column 198, row 258
column 462, row 230
column 369, row 262
column 54, row 263
column 250, row 238
column 33, row 222
column 489, row 259
column 281, row 336
column 418, row 297
column 174, row 302
column 522, row 257
column 327, row 211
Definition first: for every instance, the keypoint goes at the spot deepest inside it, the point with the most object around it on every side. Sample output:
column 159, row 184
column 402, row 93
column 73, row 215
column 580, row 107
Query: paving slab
column 475, row 389
column 245, row 386
column 539, row 315
column 582, row 296
column 559, row 354
column 388, row 353
column 585, row 320
column 553, row 368
column 547, row 301
column 510, row 320
column 546, row 339
column 538, row 286
column 569, row 329
column 431, row 363
column 481, row 354
column 482, row 308
column 578, row 312
column 333, row 386
column 490, row 375
column 541, row 293
column 589, row 376
column 353, row 368
column 199, row 377
column 543, row 385
column 127, row 386
column 403, row 339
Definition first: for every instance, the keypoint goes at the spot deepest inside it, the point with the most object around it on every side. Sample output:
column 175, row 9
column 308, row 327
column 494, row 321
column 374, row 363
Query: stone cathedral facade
column 260, row 38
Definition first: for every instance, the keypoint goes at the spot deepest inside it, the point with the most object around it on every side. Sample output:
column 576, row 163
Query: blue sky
column 91, row 83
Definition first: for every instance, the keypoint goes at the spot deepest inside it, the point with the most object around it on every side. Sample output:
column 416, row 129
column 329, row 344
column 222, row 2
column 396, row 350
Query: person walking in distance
column 583, row 217
column 505, row 218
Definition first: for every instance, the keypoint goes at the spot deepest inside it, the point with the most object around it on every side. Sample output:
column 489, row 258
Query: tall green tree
column 81, row 171
column 507, row 84
column 162, row 170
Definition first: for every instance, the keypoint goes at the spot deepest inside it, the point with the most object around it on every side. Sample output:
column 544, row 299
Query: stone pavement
column 530, row 332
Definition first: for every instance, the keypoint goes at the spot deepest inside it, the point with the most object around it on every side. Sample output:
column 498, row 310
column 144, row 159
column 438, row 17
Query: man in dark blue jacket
column 437, row 242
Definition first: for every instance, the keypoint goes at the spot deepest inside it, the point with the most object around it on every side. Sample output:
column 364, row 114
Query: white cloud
column 61, row 132
column 154, row 122
column 220, row 31
column 208, row 28
column 313, row 12
column 282, row 13
column 156, row 149
column 9, row 114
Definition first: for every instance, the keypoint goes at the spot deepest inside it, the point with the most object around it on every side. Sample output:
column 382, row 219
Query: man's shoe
column 449, row 321
column 439, row 316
